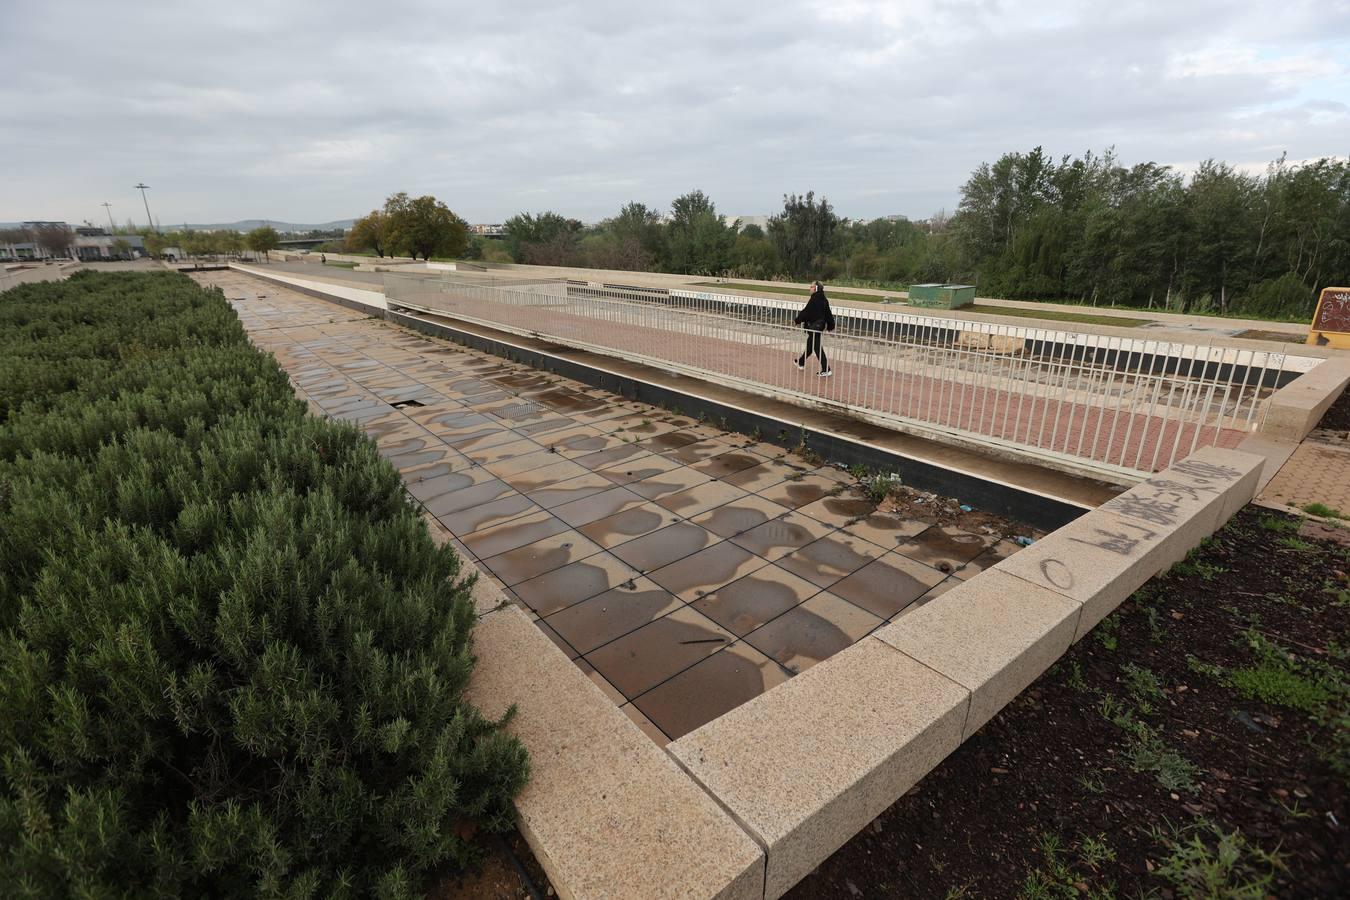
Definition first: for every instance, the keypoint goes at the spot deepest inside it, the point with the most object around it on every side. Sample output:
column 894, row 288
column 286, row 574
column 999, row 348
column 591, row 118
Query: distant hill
column 242, row 225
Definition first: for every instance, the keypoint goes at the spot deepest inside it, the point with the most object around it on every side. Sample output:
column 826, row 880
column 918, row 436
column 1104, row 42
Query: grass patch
column 342, row 265
column 1321, row 509
column 1207, row 862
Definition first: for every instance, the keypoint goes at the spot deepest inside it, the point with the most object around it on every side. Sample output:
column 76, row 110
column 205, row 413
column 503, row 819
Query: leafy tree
column 370, row 232
column 638, row 237
column 121, row 248
column 698, row 241
column 56, row 240
column 804, row 233
column 424, row 226
column 546, row 239
column 263, row 239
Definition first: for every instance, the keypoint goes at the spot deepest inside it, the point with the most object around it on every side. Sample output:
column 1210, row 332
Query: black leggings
column 813, row 346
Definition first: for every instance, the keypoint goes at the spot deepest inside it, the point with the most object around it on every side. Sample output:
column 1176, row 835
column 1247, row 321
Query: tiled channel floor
column 683, row 568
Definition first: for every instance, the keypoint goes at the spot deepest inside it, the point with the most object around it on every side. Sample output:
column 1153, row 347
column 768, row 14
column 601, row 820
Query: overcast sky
column 308, row 112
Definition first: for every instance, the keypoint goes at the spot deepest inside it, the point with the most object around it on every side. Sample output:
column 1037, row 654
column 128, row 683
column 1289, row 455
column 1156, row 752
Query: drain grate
column 517, row 411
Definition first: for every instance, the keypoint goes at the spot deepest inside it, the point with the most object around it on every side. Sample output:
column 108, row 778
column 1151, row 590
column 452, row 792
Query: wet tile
column 648, row 727
column 638, row 469
column 525, row 462
column 779, row 537
column 987, row 560
column 661, row 548
column 812, row 632
column 699, row 450
column 500, row 452
column 541, row 429
column 629, row 524
column 703, row 572
column 574, row 582
column 798, row 493
column 557, row 639
column 463, row 498
column 749, row 602
column 724, row 464
column 513, row 534
column 944, row 547
column 538, row 557
column 838, row 511
column 486, row 515
column 570, row 491
column 480, row 439
column 700, row 498
column 642, row 659
column 709, row 689
column 597, row 506
column 739, row 515
column 604, row 459
column 430, row 488
column 932, row 594
column 670, row 440
column 606, row 617
column 888, row 585
column 886, row 529
column 671, row 482
column 825, row 561
column 759, row 476
column 542, row 477
column 583, row 444
column 601, row 682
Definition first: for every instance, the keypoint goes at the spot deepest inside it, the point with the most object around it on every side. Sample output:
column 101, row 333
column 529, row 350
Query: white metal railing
column 1113, row 405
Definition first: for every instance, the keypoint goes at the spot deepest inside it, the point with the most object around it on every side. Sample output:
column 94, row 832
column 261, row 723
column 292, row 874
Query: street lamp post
column 111, row 226
column 143, row 187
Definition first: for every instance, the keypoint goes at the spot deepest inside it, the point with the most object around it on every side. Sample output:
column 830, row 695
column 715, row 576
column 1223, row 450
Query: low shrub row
column 232, row 661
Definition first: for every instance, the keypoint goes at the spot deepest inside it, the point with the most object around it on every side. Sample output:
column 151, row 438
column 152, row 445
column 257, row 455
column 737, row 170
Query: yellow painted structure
column 1331, row 321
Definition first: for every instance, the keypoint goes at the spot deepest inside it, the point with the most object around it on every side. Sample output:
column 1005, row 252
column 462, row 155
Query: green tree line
column 1086, row 229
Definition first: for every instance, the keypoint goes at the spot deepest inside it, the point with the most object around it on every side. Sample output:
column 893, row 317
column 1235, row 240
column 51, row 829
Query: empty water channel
column 1105, row 405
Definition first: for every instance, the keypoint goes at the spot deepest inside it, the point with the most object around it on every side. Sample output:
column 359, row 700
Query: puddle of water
column 812, row 632
column 612, row 614
column 887, row 586
column 943, row 547
column 749, row 602
column 709, row 689
column 663, row 547
column 632, row 523
column 639, row 661
column 825, row 561
column 703, row 572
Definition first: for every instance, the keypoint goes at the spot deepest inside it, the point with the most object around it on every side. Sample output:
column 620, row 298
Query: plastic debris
column 1024, row 541
column 965, row 508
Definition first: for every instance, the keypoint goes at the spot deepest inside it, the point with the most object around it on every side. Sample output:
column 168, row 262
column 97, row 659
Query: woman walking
column 816, row 317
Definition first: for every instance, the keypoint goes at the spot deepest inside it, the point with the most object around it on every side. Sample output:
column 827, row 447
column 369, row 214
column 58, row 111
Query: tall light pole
column 108, row 207
column 143, row 187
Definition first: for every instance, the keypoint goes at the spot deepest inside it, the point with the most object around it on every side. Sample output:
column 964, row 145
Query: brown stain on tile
column 644, row 658
column 812, row 632
column 610, row 615
column 709, row 689
column 564, row 586
column 616, row 529
column 749, row 602
column 663, row 547
column 943, row 548
column 887, row 586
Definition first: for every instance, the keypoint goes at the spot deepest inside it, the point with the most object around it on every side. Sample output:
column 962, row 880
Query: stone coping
column 606, row 811
column 805, row 766
column 1296, row 408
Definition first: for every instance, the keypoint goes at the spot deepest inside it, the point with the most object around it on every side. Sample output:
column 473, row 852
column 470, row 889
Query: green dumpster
column 941, row 296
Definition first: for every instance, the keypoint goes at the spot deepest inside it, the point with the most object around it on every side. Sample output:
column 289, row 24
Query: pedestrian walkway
column 683, row 568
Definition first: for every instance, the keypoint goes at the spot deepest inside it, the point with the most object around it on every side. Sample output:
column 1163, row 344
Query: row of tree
column 1088, row 230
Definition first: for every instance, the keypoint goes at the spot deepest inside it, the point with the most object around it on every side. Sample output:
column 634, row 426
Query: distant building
column 488, row 230
column 86, row 243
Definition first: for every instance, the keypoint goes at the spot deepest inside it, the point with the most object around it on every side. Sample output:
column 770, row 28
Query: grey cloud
column 308, row 112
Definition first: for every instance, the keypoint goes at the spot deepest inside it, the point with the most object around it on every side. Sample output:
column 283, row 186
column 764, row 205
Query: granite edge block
column 606, row 812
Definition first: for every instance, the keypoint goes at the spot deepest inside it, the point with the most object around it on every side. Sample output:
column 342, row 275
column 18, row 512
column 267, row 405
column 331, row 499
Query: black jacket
column 816, row 315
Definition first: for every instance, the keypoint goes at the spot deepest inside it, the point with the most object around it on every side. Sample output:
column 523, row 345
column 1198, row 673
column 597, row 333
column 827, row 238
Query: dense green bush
column 231, row 658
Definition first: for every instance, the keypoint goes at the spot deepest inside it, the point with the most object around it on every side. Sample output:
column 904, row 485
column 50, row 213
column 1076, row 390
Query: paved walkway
column 685, row 569
column 1317, row 472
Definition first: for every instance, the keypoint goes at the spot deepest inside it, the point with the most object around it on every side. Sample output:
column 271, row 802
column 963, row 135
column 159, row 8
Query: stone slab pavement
column 682, row 568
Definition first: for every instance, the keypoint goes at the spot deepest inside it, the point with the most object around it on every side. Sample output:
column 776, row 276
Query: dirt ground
column 1064, row 794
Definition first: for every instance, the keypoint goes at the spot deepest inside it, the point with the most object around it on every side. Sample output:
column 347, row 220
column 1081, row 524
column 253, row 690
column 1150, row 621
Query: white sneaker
column 826, row 374
column 798, row 363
